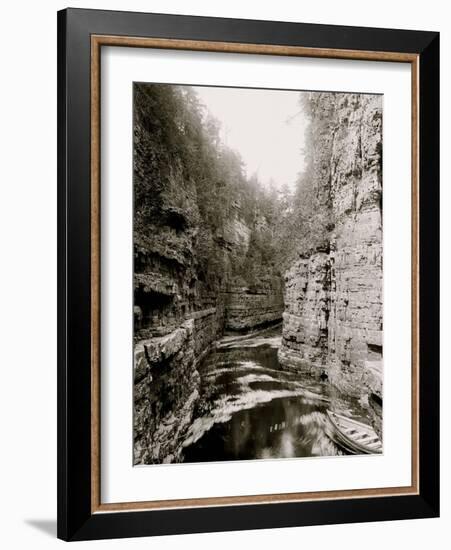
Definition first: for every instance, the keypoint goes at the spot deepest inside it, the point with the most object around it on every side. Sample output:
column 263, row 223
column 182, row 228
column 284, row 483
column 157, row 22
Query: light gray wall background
column 28, row 272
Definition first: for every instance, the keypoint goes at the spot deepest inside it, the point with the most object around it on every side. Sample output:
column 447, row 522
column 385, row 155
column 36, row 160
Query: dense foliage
column 305, row 217
column 185, row 175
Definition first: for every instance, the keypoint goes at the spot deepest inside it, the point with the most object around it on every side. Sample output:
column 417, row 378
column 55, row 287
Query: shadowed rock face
column 333, row 297
column 178, row 318
column 251, row 307
column 185, row 273
column 255, row 297
column 165, row 390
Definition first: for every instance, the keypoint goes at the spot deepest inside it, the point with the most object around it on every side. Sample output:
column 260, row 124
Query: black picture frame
column 76, row 520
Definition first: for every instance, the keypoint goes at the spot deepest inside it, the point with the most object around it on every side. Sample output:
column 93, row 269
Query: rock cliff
column 254, row 293
column 306, row 316
column 187, row 260
column 333, row 293
column 165, row 390
column 252, row 306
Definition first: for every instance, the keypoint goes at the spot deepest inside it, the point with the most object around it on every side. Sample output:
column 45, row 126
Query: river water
column 250, row 408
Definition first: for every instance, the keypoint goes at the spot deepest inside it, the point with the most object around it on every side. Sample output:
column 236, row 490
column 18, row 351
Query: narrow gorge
column 219, row 260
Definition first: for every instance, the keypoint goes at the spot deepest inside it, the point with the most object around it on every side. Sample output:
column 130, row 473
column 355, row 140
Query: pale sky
column 256, row 123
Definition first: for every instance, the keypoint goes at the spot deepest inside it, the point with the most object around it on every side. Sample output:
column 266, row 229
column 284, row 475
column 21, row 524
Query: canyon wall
column 256, row 305
column 165, row 391
column 179, row 316
column 196, row 230
column 305, row 337
column 333, row 292
column 254, row 293
column 178, row 319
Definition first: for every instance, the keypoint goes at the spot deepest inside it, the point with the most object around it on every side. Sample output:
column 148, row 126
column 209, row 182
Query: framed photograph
column 248, row 274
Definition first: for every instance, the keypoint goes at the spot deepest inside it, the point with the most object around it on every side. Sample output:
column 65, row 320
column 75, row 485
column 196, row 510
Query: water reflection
column 250, row 408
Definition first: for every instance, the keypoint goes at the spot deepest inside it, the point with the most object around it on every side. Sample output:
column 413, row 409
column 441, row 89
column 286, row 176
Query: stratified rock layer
column 250, row 307
column 333, row 296
column 165, row 391
column 306, row 316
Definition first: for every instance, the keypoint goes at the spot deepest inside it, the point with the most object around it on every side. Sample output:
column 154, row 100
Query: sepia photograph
column 258, row 274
